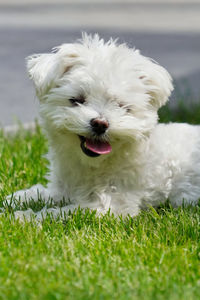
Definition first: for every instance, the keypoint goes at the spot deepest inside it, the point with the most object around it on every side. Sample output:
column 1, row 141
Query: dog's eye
column 77, row 100
column 126, row 107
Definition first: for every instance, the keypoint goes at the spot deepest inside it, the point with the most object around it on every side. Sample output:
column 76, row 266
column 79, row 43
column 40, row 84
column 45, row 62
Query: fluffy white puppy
column 98, row 107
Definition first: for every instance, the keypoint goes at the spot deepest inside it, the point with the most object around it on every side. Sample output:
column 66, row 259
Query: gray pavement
column 167, row 31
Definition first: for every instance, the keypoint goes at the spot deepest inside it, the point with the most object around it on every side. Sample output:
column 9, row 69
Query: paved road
column 27, row 29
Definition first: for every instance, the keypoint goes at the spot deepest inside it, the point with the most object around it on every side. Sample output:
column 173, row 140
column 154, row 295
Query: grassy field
column 155, row 255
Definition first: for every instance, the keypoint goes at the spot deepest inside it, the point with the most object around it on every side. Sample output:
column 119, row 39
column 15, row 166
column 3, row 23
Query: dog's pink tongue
column 98, row 147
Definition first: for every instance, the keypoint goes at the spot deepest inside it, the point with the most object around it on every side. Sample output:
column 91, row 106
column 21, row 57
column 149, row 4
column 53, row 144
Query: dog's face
column 102, row 93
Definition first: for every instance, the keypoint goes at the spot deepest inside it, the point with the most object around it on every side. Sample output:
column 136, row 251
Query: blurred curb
column 13, row 129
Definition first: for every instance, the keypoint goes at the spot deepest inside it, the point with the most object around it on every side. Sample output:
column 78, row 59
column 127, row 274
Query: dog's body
column 98, row 106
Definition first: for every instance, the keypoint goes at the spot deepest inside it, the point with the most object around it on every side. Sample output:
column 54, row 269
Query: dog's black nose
column 99, row 126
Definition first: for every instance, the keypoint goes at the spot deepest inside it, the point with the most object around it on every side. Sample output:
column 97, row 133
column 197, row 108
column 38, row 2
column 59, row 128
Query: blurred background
column 166, row 30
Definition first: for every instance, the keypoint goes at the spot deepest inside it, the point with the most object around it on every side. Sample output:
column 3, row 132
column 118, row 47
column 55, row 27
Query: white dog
column 98, row 107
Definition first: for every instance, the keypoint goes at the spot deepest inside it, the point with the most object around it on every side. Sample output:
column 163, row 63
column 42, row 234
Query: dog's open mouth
column 94, row 148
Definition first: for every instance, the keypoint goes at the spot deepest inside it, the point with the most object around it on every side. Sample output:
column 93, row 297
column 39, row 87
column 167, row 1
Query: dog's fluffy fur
column 122, row 90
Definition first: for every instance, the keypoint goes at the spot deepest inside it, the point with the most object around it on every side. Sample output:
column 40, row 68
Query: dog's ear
column 158, row 83
column 43, row 69
column 46, row 69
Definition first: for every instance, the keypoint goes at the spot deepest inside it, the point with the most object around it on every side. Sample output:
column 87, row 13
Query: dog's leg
column 35, row 193
column 54, row 212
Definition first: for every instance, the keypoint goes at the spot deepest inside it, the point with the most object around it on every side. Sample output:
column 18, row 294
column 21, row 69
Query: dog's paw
column 24, row 215
column 16, row 199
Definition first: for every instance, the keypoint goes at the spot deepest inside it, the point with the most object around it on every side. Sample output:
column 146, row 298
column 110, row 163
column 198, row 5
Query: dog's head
column 103, row 93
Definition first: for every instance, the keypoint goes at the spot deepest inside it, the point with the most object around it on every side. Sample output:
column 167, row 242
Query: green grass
column 155, row 255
